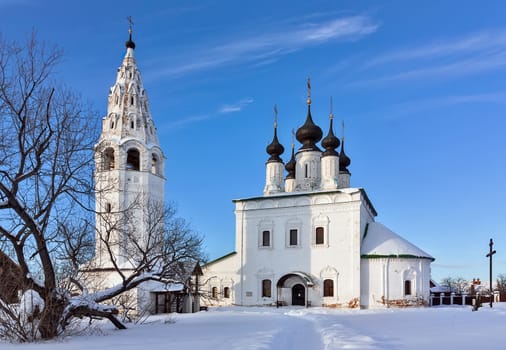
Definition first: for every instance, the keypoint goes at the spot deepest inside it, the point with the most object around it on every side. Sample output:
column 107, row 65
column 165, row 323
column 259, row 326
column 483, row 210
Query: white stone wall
column 221, row 274
column 338, row 258
column 384, row 281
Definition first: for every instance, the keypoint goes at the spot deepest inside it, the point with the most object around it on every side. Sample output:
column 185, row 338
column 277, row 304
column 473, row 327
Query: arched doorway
column 298, row 295
column 293, row 289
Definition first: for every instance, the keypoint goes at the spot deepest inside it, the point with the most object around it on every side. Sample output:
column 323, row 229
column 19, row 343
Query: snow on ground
column 298, row 328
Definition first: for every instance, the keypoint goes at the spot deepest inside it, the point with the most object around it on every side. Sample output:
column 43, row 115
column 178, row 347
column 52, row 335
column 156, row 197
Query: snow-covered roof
column 379, row 241
column 155, row 286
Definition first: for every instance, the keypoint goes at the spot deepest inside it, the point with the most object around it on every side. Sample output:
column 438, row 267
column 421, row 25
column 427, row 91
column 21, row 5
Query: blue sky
column 420, row 85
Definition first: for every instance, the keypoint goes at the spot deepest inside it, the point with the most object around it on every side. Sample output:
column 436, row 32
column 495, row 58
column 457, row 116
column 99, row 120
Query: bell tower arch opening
column 133, row 159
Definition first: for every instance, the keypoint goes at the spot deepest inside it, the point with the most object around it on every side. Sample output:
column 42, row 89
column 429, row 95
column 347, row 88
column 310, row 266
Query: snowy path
column 257, row 328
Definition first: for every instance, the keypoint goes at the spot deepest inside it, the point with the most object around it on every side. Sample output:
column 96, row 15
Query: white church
column 311, row 240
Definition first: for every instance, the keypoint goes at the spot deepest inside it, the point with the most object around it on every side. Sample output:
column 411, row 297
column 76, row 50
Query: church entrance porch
column 293, row 289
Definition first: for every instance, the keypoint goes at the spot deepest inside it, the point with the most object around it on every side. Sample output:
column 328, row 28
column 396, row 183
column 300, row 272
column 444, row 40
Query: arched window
column 154, row 164
column 132, row 125
column 131, row 100
column 319, row 235
column 108, row 159
column 226, row 292
column 266, row 288
column 108, row 207
column 407, row 287
column 328, row 288
column 306, row 170
column 133, row 161
column 266, row 238
column 214, row 292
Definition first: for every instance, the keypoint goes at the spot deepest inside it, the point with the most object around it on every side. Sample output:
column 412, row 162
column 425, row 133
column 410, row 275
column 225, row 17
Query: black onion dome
column 330, row 142
column 275, row 149
column 344, row 160
column 130, row 44
column 290, row 166
column 309, row 133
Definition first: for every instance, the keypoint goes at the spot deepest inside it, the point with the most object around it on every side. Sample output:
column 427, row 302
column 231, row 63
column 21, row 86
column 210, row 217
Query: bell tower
column 129, row 165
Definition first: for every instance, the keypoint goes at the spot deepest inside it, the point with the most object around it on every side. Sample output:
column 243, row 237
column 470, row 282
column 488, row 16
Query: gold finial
column 275, row 116
column 308, row 90
column 331, row 115
column 293, row 138
column 131, row 24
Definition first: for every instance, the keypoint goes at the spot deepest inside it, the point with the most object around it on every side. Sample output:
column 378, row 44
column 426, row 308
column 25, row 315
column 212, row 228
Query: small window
column 306, row 171
column 108, row 207
column 319, row 239
column 108, row 159
column 266, row 288
column 226, row 292
column 131, row 100
column 116, row 99
column 133, row 159
column 407, row 287
column 154, row 164
column 266, row 238
column 214, row 292
column 293, row 237
column 328, row 288
column 112, row 124
column 132, row 124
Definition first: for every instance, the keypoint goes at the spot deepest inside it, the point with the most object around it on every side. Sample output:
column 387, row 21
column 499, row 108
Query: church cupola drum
column 274, row 167
column 128, row 158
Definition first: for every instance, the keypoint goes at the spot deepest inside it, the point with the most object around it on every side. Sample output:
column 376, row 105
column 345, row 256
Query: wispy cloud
column 236, row 107
column 473, row 43
column 263, row 48
column 224, row 109
column 468, row 55
column 427, row 104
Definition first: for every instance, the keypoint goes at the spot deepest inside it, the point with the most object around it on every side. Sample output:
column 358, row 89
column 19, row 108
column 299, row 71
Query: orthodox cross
column 131, row 24
column 308, row 90
column 489, row 255
column 331, row 116
column 275, row 116
column 342, row 123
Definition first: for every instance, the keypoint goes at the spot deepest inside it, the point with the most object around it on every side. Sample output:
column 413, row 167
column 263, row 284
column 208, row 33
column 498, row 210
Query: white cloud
column 436, row 103
column 473, row 43
column 226, row 108
column 472, row 54
column 236, row 107
column 265, row 47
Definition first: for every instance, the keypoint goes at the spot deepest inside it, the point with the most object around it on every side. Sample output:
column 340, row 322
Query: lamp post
column 489, row 255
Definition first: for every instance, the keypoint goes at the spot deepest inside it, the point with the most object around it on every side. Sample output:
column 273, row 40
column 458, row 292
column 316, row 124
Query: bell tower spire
column 129, row 163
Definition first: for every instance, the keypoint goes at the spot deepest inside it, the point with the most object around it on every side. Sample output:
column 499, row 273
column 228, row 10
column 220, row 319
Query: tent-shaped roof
column 381, row 242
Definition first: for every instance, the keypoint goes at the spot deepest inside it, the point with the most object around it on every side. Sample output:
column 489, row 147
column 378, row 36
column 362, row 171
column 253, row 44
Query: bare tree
column 45, row 157
column 501, row 283
column 46, row 192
